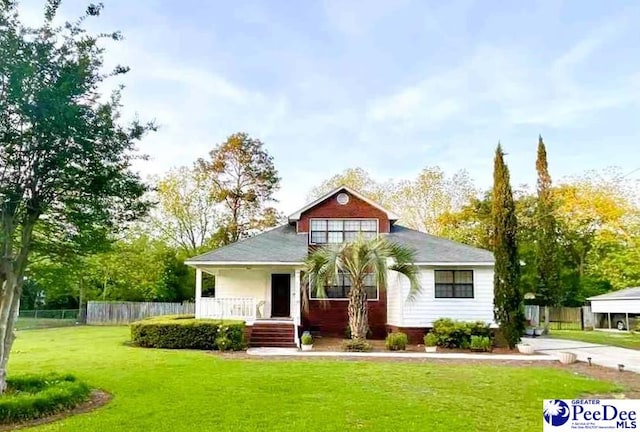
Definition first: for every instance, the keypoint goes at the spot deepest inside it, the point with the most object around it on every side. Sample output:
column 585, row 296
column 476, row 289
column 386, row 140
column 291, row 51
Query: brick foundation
column 247, row 333
column 415, row 334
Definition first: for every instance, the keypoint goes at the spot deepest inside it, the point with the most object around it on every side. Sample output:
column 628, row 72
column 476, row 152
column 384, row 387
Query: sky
column 389, row 86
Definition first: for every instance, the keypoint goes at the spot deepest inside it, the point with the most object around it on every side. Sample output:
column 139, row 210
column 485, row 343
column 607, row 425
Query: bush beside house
column 457, row 334
column 185, row 332
column 396, row 341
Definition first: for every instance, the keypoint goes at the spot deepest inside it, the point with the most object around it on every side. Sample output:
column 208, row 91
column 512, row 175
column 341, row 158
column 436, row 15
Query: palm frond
column 359, row 258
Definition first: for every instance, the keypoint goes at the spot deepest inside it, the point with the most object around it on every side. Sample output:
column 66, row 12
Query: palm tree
column 356, row 260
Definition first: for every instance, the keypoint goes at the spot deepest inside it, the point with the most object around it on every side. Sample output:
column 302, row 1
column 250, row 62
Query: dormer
column 340, row 215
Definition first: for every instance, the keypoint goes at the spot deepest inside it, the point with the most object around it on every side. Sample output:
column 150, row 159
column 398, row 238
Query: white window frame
column 312, row 298
column 473, row 283
column 340, row 219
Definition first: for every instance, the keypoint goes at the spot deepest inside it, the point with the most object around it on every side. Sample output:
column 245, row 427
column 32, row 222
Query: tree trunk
column 11, row 279
column 9, row 303
column 358, row 313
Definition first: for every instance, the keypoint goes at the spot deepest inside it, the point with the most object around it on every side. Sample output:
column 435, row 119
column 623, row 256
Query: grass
column 163, row 390
column 614, row 338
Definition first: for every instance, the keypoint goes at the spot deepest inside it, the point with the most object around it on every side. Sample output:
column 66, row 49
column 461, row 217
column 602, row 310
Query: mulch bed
column 97, row 399
column 335, row 344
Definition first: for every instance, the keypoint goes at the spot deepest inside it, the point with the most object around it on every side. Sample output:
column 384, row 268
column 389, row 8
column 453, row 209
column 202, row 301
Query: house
column 259, row 279
column 617, row 309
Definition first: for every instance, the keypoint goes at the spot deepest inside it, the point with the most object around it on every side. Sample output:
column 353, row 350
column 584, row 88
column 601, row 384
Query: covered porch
column 251, row 293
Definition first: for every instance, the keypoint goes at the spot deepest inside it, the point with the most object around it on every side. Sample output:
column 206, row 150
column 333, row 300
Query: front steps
column 265, row 334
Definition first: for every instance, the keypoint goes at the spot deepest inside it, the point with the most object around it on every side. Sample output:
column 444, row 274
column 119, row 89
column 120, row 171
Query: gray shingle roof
column 280, row 244
column 628, row 294
column 434, row 249
column 283, row 244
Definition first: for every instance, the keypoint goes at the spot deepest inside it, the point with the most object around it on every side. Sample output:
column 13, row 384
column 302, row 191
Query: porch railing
column 242, row 308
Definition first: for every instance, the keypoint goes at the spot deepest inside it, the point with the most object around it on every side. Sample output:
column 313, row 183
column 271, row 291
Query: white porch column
column 198, row 291
column 296, row 298
column 296, row 306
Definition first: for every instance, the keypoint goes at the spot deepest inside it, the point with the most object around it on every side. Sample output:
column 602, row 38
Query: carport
column 616, row 306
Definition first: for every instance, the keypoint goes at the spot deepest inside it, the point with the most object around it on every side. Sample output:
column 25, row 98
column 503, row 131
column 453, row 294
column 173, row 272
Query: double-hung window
column 341, row 286
column 335, row 231
column 454, row 283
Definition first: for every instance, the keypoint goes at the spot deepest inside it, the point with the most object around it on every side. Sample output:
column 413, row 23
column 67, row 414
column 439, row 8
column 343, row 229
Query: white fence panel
column 228, row 308
column 532, row 314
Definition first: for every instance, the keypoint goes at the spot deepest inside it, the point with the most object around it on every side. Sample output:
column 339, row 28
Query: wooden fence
column 565, row 318
column 560, row 318
column 127, row 312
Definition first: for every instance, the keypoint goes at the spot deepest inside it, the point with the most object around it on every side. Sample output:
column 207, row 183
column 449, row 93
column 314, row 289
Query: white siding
column 615, row 306
column 254, row 283
column 394, row 301
column 243, row 283
column 425, row 308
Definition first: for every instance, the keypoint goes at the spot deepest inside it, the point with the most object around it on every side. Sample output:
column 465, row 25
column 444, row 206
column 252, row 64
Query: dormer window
column 334, row 231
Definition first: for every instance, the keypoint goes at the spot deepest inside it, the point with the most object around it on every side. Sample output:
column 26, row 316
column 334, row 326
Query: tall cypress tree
column 547, row 268
column 508, row 309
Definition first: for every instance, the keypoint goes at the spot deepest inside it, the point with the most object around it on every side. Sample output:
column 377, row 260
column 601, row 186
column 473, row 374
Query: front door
column 280, row 295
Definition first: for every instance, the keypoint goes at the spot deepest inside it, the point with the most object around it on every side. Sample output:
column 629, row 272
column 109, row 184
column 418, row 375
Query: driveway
column 602, row 355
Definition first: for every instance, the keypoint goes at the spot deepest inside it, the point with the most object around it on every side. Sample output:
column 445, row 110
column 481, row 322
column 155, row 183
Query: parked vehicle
column 619, row 321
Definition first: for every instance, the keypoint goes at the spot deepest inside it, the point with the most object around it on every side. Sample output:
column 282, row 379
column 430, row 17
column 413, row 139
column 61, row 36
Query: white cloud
column 497, row 85
column 431, row 101
column 458, row 93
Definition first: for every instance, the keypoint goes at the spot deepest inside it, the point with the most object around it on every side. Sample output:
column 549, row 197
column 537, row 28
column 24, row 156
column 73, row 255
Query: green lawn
column 162, row 390
column 615, row 338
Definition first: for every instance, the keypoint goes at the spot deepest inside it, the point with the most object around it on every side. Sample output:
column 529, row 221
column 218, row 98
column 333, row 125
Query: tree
column 245, row 179
column 188, row 215
column 65, row 156
column 508, row 310
column 357, row 260
column 546, row 253
column 597, row 233
column 138, row 268
column 58, row 281
column 420, row 202
column 471, row 224
column 598, row 216
column 431, row 195
column 356, row 178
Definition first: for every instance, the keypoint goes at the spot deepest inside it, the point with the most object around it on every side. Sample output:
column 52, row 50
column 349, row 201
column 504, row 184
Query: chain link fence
column 44, row 318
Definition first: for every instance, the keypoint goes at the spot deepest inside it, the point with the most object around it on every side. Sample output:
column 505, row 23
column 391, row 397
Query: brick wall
column 355, row 208
column 330, row 318
column 247, row 334
column 415, row 334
